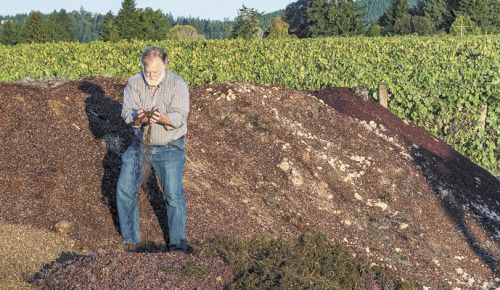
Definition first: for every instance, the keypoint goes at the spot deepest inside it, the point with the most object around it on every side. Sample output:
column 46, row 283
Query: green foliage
column 36, row 28
column 278, row 28
column 267, row 18
column 154, row 24
column 328, row 18
column 438, row 13
column 296, row 16
column 396, row 19
column 248, row 24
column 309, row 262
column 375, row 9
column 128, row 21
column 61, row 26
column 11, row 33
column 184, row 32
column 481, row 12
column 109, row 31
column 211, row 29
column 88, row 25
column 151, row 25
column 443, row 77
column 464, row 25
column 410, row 24
column 375, row 30
column 317, row 20
column 195, row 270
column 345, row 18
column 421, row 25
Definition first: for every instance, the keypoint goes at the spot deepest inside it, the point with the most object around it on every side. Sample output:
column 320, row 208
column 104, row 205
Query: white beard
column 156, row 82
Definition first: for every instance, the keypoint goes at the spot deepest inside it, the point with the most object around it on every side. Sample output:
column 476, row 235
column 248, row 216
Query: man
column 160, row 89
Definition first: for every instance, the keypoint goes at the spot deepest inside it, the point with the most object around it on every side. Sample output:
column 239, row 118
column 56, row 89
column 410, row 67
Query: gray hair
column 153, row 51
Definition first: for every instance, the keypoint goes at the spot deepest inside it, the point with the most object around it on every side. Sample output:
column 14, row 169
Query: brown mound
column 261, row 159
column 134, row 271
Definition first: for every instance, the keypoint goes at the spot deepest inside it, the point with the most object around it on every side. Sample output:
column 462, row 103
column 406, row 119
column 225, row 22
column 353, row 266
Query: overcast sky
column 217, row 10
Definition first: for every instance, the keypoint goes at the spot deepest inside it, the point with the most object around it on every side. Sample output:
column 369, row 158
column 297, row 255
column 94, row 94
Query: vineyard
column 441, row 83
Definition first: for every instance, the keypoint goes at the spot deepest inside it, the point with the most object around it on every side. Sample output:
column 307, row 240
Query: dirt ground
column 261, row 159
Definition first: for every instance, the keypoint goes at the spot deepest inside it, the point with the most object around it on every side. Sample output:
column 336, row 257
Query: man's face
column 153, row 70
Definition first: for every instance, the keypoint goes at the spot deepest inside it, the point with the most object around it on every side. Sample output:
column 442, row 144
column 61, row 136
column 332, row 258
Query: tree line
column 315, row 18
column 303, row 18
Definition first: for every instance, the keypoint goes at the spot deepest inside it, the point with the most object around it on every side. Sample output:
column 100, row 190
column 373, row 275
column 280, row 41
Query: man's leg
column 168, row 162
column 126, row 194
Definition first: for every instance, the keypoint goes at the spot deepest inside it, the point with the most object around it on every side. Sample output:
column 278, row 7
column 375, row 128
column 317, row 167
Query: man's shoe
column 188, row 250
column 130, row 247
column 140, row 247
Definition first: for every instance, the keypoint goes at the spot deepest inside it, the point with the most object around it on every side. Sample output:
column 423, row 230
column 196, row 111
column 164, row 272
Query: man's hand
column 140, row 115
column 137, row 114
column 139, row 118
column 160, row 118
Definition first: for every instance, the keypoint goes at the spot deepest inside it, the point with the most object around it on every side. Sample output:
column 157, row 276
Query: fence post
column 383, row 96
column 482, row 117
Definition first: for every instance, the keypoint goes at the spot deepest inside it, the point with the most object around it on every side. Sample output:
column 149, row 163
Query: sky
column 209, row 9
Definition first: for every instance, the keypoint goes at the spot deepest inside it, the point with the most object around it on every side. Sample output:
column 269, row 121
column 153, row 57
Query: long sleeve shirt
column 171, row 97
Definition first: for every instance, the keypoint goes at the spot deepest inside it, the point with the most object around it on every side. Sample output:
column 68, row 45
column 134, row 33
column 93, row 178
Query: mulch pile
column 261, row 160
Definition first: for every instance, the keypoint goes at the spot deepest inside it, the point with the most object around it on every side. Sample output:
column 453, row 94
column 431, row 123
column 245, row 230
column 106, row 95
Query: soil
column 261, row 159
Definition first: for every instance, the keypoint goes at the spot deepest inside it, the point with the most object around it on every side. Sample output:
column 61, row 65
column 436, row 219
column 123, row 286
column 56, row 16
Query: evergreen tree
column 278, row 28
column 154, row 24
column 87, row 26
column 397, row 10
column 317, row 20
column 375, row 9
column 480, row 12
column 495, row 8
column 36, row 28
column 344, row 18
column 248, row 24
column 11, row 33
column 128, row 21
column 62, row 27
column 97, row 25
column 438, row 13
column 109, row 31
column 453, row 5
column 296, row 16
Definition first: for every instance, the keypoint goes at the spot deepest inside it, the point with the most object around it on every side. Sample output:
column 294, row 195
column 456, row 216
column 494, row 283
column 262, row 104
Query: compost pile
column 261, row 160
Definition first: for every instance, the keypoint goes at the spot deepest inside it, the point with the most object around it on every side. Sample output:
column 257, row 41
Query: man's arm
column 130, row 109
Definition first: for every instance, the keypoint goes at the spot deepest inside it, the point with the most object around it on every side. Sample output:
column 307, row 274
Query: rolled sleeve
column 180, row 107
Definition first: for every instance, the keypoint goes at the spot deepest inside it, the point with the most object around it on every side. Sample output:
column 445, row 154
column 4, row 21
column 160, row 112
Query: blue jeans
column 168, row 163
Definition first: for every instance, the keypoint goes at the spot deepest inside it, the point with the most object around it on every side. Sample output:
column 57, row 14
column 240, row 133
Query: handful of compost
column 145, row 119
